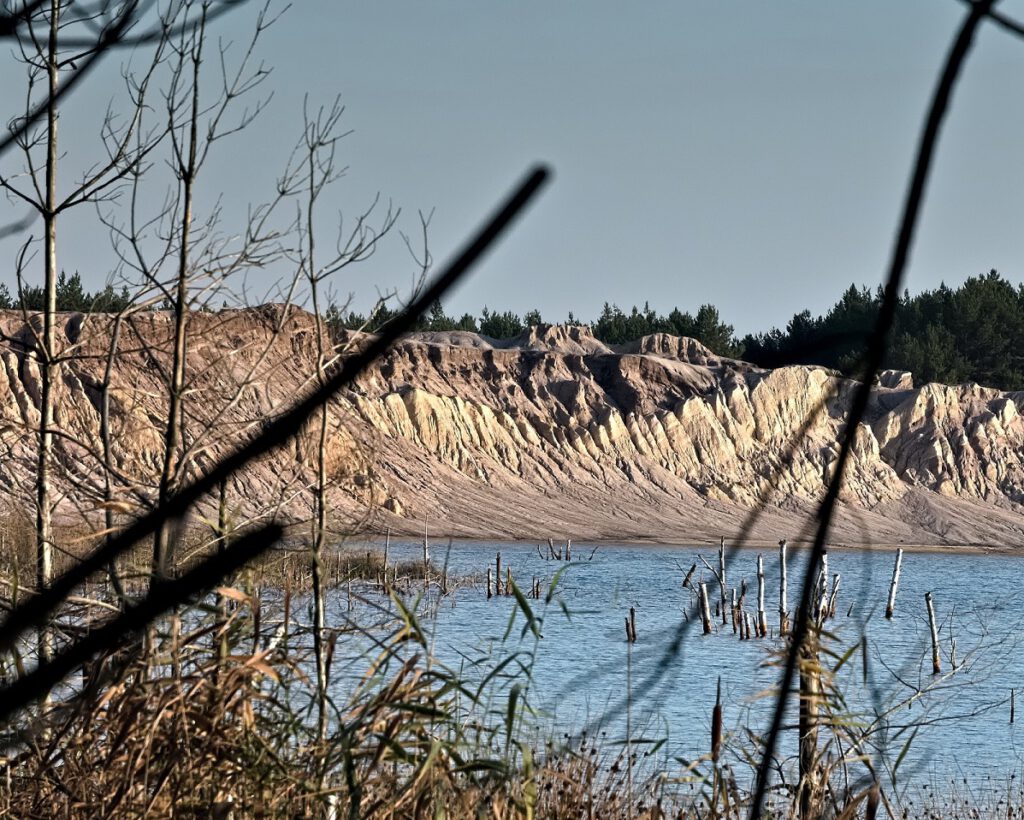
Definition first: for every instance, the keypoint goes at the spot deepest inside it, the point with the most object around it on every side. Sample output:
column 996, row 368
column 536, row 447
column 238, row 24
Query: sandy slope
column 553, row 433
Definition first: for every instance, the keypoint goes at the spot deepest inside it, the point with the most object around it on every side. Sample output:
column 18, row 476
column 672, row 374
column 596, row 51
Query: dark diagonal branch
column 37, row 609
column 135, row 617
column 876, row 352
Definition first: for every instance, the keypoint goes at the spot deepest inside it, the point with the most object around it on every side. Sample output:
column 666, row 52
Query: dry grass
column 219, row 720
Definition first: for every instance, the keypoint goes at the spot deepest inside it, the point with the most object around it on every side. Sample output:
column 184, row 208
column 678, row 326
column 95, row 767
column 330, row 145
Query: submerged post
column 783, row 592
column 822, row 602
column 833, row 596
column 762, row 620
column 894, row 584
column 568, row 549
column 721, row 575
column 705, row 608
column 488, row 583
column 936, row 662
column 632, row 623
column 426, row 558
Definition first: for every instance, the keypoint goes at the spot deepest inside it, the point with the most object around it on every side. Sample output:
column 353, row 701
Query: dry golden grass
column 218, row 719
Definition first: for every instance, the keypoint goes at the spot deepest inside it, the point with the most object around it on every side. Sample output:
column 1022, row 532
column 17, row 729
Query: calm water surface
column 580, row 671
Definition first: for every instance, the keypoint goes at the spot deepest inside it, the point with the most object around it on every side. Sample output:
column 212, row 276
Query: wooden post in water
column 783, row 592
column 762, row 620
column 936, row 662
column 568, row 549
column 1011, row 706
column 629, row 633
column 721, row 575
column 508, row 580
column 833, row 596
column 488, row 583
column 689, row 576
column 551, row 549
column 891, row 605
column 387, row 544
column 705, row 608
column 632, row 623
column 734, row 608
column 822, row 602
column 426, row 558
column 497, row 575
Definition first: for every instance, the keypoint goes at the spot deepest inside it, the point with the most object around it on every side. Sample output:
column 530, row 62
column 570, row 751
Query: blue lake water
column 580, row 669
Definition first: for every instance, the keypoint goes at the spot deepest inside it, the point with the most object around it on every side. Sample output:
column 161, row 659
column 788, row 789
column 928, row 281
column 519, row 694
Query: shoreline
column 749, row 544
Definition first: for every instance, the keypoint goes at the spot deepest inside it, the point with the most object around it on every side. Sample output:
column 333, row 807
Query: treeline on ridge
column 971, row 333
column 613, row 326
column 952, row 335
column 974, row 332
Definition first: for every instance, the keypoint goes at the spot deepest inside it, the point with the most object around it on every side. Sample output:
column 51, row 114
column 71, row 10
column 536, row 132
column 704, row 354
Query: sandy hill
column 551, row 433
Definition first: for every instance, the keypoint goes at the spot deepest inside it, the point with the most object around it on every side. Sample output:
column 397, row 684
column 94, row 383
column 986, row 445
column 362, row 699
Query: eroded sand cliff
column 552, row 433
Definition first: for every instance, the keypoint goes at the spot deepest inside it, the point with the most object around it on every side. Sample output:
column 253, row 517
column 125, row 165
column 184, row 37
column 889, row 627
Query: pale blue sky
column 748, row 154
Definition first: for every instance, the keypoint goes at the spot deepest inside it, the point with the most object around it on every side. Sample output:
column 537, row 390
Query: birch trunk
column 47, row 374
